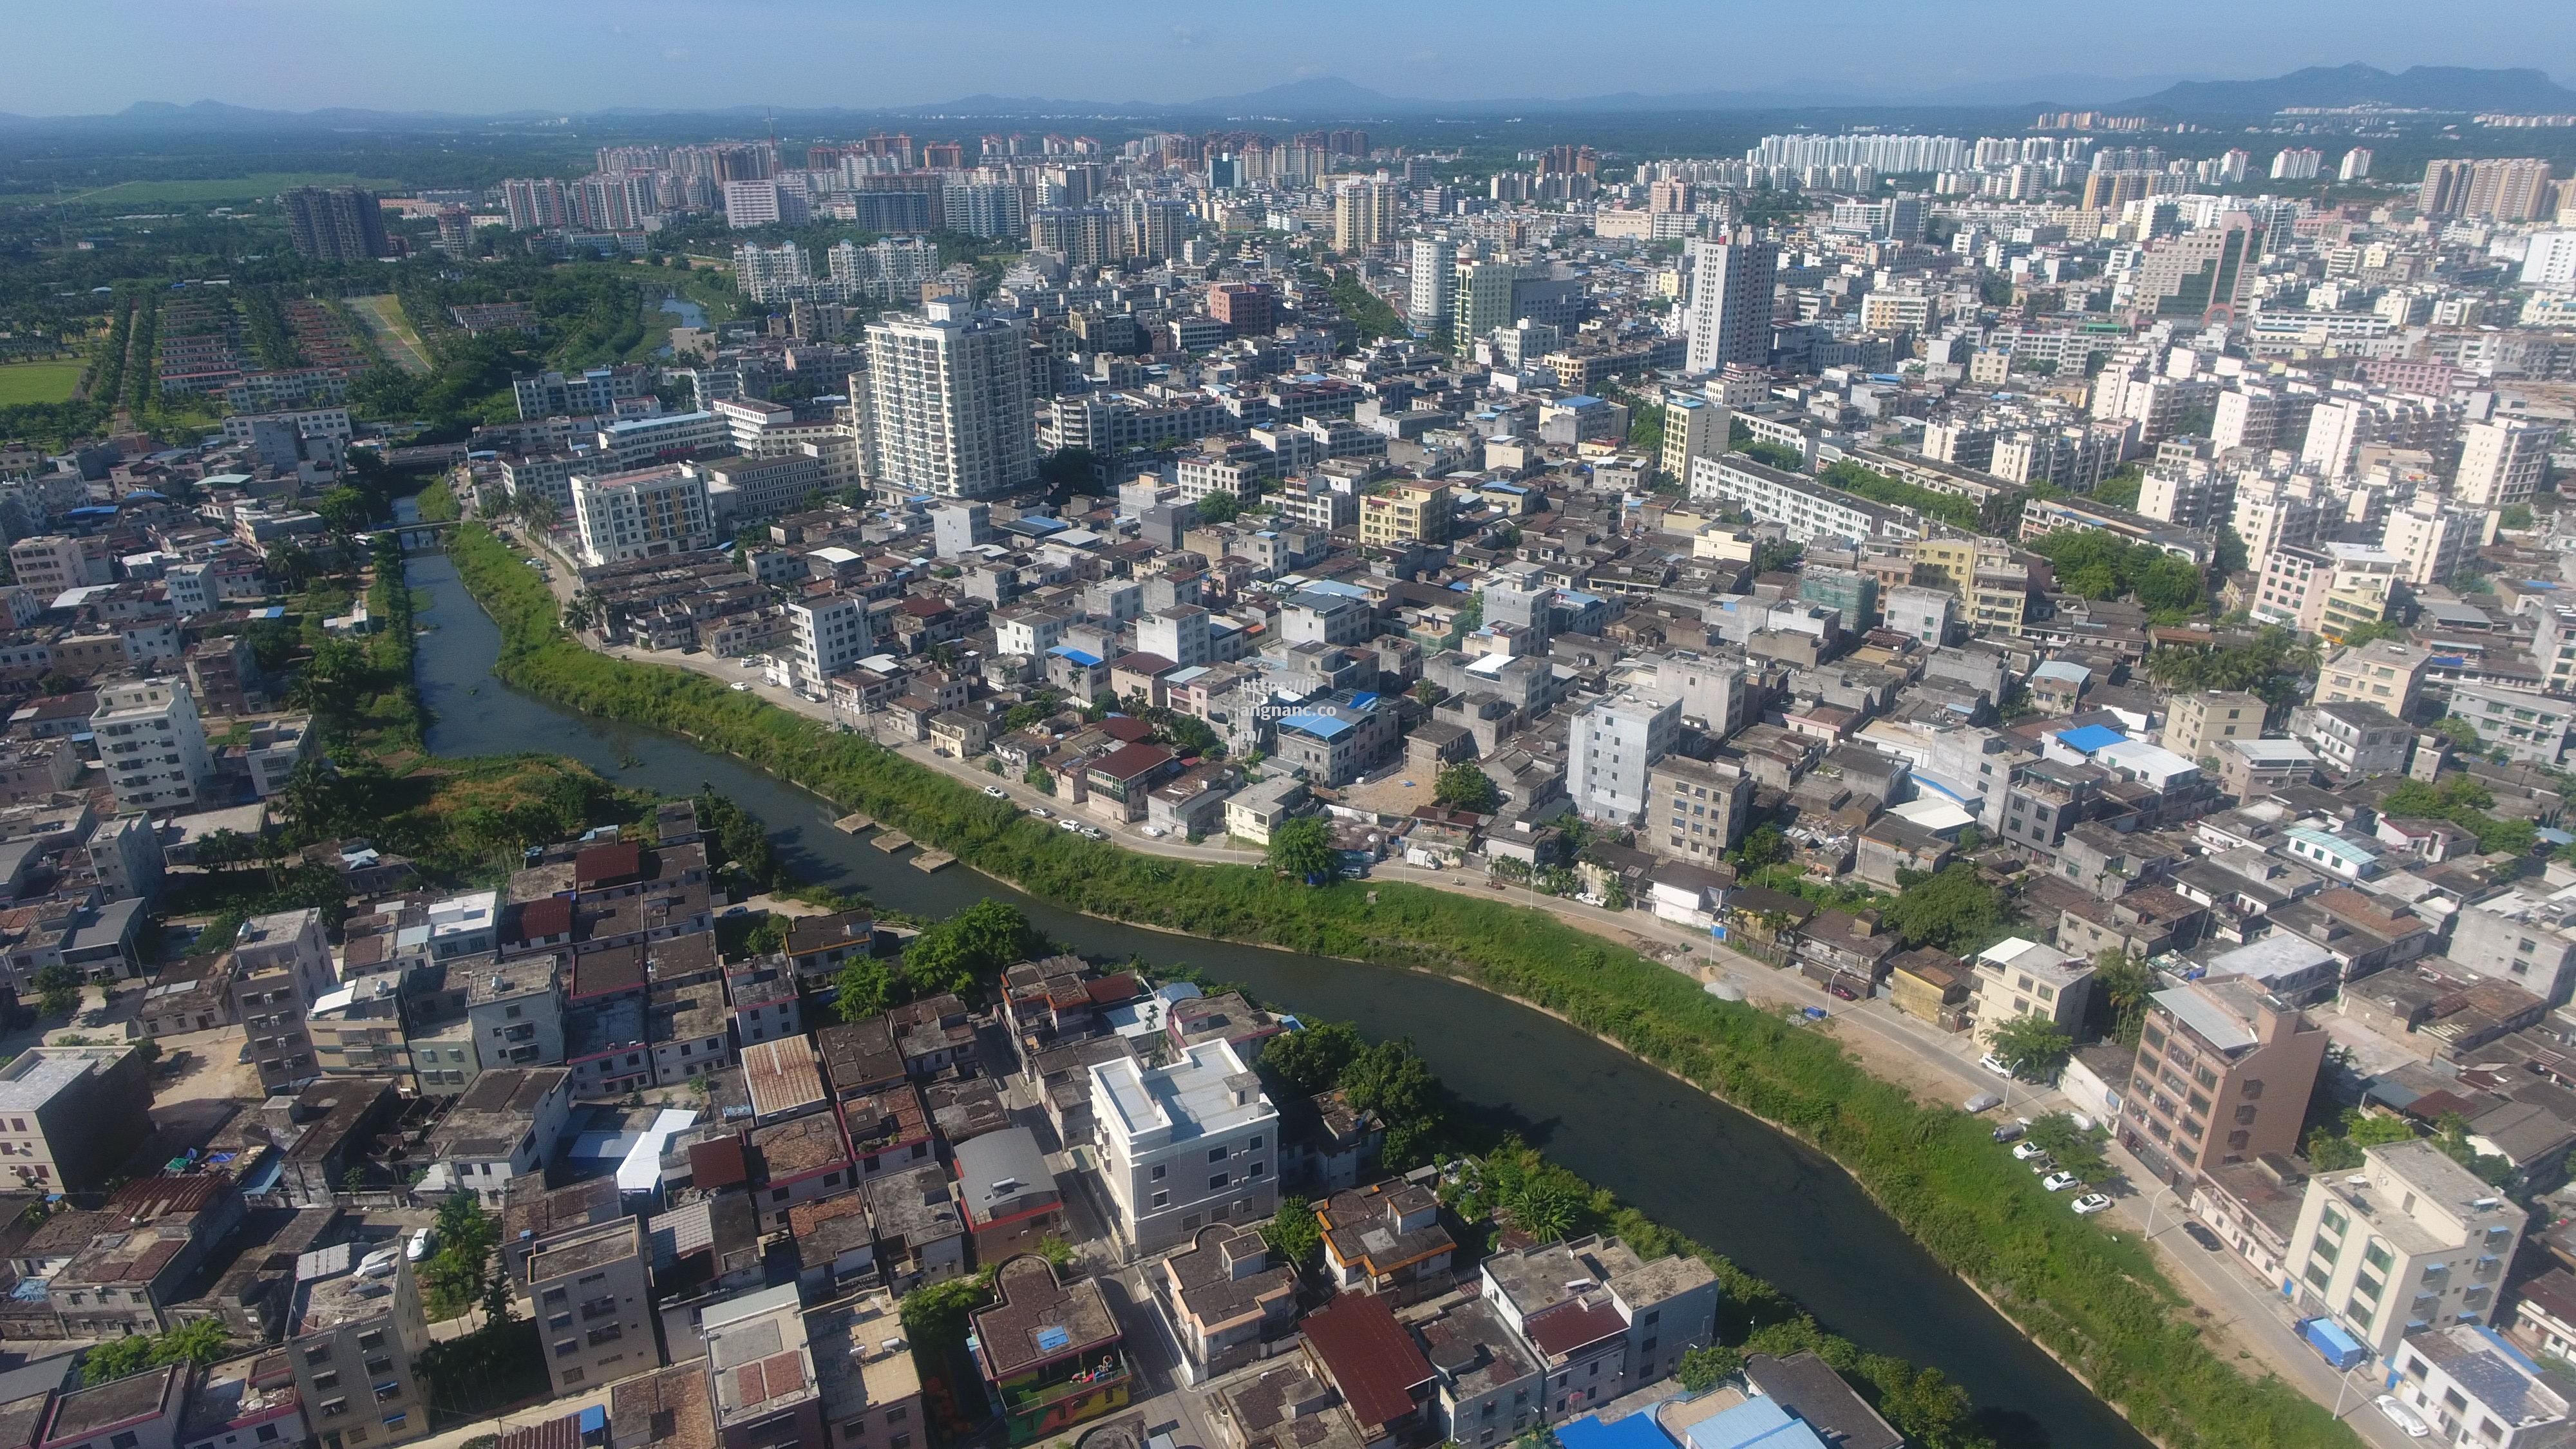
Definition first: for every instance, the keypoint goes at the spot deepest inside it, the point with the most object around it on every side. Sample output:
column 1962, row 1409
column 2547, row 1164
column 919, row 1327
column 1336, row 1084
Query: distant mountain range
column 2425, row 87
column 1332, row 98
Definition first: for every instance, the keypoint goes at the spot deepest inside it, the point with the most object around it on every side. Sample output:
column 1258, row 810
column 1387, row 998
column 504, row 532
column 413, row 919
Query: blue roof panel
column 2090, row 738
column 1323, row 726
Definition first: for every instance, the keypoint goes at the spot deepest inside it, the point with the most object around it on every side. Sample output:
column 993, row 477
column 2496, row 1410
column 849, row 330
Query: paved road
column 384, row 321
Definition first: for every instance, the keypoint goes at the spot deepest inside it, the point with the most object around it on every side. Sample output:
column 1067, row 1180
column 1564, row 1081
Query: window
column 126, row 1440
column 1158, row 1172
column 1162, row 1199
column 1216, row 1154
column 1215, row 1180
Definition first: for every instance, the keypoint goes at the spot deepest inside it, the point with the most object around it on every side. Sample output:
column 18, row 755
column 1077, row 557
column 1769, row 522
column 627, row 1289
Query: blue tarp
column 2087, row 739
column 1637, row 1431
column 2331, row 1343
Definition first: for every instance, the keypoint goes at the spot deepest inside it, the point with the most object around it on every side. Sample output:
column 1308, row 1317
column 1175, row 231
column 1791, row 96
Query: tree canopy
column 2033, row 1046
column 975, row 943
column 1303, row 847
column 1954, row 911
column 2099, row 565
column 1462, row 786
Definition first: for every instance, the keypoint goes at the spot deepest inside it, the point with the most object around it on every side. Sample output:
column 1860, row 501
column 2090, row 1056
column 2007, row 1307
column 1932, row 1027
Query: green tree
column 864, row 988
column 1392, row 1080
column 1219, row 506
column 1955, row 911
column 2033, row 1046
column 1704, row 1368
column 1548, row 1207
column 202, row 1343
column 975, row 943
column 2077, row 1150
column 115, row 1359
column 1303, row 848
column 1462, row 786
column 58, row 987
column 1763, row 848
column 2125, row 982
column 1294, row 1234
column 1313, row 1059
column 460, row 1274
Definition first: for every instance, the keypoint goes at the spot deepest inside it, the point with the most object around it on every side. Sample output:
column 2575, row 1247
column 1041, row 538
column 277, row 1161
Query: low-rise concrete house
column 1226, row 1298
column 1009, row 1196
column 594, row 1302
column 1385, row 1237
column 1051, row 1351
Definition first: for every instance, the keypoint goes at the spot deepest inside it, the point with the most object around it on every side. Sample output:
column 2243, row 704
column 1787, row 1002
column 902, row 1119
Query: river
column 1783, row 1211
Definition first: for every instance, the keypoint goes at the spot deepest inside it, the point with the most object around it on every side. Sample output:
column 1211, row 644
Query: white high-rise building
column 949, row 394
column 641, row 514
column 771, row 274
column 1615, row 742
column 1434, row 273
column 1730, row 303
column 2549, row 262
column 830, row 635
column 152, row 744
column 2500, row 463
column 2356, row 165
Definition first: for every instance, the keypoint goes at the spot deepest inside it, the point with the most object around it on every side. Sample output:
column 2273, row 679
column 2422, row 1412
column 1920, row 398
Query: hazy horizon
column 478, row 56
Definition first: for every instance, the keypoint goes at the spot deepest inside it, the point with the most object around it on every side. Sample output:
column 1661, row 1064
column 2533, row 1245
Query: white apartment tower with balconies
column 152, row 744
column 949, row 403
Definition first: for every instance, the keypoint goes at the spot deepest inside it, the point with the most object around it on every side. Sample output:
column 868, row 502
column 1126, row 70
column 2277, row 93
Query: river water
column 1782, row 1211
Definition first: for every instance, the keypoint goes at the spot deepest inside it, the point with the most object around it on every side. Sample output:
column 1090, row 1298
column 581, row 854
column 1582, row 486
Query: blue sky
column 572, row 55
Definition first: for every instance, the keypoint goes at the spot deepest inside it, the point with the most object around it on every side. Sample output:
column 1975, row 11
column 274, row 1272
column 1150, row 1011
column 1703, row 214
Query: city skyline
column 474, row 57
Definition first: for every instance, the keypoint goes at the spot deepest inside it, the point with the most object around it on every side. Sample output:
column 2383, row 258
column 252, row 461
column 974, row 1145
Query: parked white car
column 417, row 1249
column 1073, row 825
column 741, row 688
column 2403, row 1416
column 997, row 792
column 2025, row 1151
column 1994, row 1064
column 2090, row 1203
column 2060, row 1181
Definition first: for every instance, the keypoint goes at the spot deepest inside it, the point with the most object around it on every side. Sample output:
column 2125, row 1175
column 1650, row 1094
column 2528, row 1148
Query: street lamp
column 2162, row 1189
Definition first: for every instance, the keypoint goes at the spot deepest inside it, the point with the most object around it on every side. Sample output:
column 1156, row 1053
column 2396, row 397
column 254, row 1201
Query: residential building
column 949, row 403
column 2519, row 937
column 2384, row 672
column 1408, row 511
column 2023, row 978
column 70, row 1115
column 2224, row 1073
column 1696, row 809
column 830, row 635
column 2197, row 724
column 2529, row 729
column 2501, row 463
column 2470, row 1386
column 1184, row 1145
column 762, row 1365
column 1490, row 1387
column 355, row 1338
column 1008, row 1193
column 152, row 744
column 505, row 1124
column 335, row 223
column 1614, row 744
column 2354, row 740
column 644, row 513
column 1051, row 1351
column 2412, row 1242
column 592, row 1290
column 1728, row 315
column 281, row 966
column 1601, row 1320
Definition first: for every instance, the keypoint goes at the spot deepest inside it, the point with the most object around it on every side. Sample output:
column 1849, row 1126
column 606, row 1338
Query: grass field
column 37, row 382
column 198, row 192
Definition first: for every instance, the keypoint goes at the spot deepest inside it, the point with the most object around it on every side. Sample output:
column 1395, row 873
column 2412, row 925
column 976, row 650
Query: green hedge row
column 2099, row 1304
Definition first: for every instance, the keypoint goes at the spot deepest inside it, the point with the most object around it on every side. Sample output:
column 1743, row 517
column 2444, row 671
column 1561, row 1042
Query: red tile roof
column 1132, row 761
column 1571, row 1326
column 606, row 864
column 717, row 1163
column 1372, row 1360
column 1126, row 727
column 539, row 919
